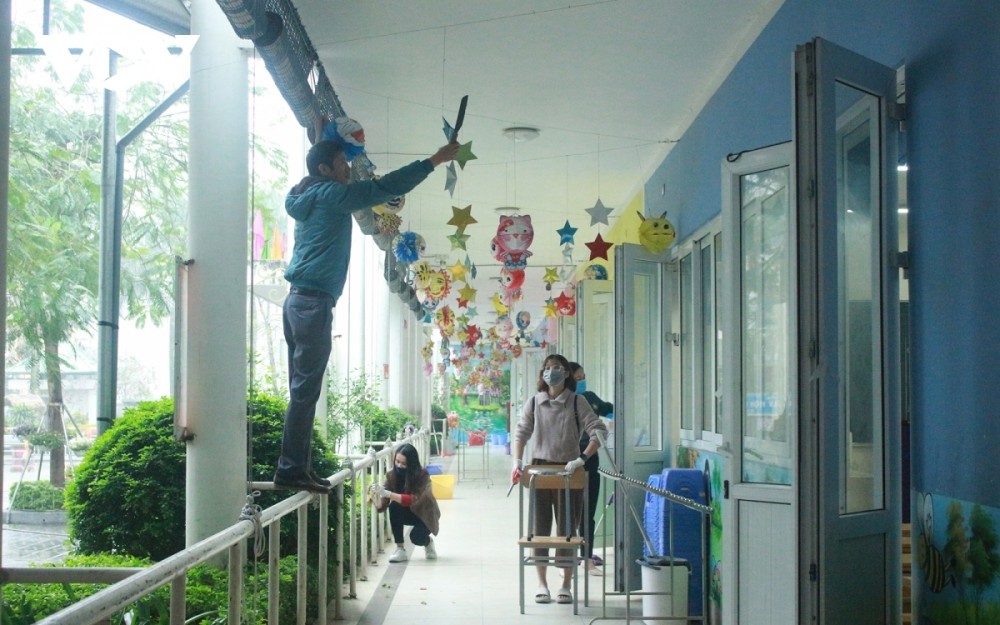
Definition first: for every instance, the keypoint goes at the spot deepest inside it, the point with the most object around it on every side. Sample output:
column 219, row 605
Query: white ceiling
column 610, row 84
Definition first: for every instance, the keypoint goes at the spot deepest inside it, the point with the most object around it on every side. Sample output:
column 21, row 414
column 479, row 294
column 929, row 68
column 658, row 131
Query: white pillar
column 216, row 364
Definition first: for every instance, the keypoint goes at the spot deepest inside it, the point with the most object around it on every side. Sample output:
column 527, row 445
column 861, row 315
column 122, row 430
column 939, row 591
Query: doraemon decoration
column 656, row 234
column 349, row 134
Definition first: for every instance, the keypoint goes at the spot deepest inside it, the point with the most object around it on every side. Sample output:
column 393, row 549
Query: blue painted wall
column 952, row 55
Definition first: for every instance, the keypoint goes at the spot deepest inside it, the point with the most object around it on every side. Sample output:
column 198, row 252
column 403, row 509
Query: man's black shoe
column 300, row 481
column 319, row 480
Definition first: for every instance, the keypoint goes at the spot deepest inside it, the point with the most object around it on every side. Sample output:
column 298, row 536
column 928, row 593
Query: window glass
column 687, row 344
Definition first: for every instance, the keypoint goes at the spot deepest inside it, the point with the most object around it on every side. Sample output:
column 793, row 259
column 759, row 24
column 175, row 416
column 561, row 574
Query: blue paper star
column 566, row 233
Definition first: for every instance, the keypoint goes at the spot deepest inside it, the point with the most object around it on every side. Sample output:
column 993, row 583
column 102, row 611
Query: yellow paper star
column 461, row 217
column 551, row 275
column 550, row 308
column 464, row 154
column 467, row 293
column 498, row 305
column 457, row 271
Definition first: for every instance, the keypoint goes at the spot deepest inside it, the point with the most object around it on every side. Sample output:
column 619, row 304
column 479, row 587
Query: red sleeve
column 405, row 500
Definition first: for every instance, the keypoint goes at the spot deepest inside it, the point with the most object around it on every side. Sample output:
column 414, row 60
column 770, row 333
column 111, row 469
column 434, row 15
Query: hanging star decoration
column 465, row 155
column 471, row 267
column 599, row 248
column 458, row 272
column 566, row 233
column 467, row 294
column 551, row 309
column 458, row 240
column 461, row 217
column 566, row 304
column 447, row 128
column 599, row 213
column 472, row 312
column 551, row 277
column 463, row 320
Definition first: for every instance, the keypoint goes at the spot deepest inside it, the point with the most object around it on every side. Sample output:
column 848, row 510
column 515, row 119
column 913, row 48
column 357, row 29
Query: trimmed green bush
column 35, row 496
column 207, row 594
column 128, row 496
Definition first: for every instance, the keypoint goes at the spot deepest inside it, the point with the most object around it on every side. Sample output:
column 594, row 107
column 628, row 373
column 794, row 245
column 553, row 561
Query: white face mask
column 553, row 376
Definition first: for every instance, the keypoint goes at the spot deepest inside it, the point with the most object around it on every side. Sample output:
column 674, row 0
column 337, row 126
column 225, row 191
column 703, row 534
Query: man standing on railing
column 321, row 204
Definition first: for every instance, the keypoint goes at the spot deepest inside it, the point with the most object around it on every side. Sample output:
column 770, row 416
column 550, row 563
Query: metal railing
column 130, row 584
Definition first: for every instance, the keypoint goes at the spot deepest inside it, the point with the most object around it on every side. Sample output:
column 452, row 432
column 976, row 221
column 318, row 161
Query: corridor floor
column 475, row 578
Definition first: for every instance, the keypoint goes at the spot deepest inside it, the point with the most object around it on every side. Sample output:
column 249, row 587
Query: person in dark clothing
column 602, row 409
column 321, row 204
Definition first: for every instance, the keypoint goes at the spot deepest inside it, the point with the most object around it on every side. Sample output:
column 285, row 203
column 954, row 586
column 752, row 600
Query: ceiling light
column 520, row 134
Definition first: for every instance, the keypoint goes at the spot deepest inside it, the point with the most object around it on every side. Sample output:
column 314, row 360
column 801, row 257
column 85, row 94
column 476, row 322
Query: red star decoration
column 566, row 304
column 599, row 248
column 463, row 303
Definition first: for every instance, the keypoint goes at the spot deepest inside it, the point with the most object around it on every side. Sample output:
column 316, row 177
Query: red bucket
column 476, row 438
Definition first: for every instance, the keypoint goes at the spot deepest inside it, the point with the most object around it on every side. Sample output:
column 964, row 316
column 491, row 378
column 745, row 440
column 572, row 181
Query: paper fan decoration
column 408, row 247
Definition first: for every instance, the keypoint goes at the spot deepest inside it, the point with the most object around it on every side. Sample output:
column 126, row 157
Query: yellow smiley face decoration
column 656, row 234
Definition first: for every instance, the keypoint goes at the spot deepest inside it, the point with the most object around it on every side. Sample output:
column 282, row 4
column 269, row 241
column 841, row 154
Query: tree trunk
column 53, row 421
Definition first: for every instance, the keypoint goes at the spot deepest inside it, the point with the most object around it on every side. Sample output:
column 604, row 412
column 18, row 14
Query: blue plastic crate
column 687, row 527
column 652, row 515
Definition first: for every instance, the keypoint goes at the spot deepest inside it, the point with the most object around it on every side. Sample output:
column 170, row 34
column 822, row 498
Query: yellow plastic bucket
column 443, row 485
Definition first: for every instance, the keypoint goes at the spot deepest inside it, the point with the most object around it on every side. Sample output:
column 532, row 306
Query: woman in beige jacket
column 555, row 417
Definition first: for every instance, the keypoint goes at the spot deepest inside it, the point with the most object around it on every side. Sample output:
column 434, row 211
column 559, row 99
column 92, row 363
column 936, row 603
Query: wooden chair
column 552, row 477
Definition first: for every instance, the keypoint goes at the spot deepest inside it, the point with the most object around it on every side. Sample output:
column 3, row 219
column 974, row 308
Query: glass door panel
column 643, row 421
column 860, row 370
column 768, row 406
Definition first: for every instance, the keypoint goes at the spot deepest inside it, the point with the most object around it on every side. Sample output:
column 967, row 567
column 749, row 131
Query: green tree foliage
column 55, row 192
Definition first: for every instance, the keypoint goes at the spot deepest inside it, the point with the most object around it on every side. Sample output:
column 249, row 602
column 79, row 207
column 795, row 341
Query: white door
column 759, row 328
column 848, row 495
column 643, row 283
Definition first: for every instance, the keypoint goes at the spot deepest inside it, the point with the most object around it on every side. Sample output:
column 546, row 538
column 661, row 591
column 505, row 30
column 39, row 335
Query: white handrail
column 121, row 594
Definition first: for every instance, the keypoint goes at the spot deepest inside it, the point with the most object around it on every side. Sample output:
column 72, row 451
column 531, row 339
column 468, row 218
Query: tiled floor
column 475, row 578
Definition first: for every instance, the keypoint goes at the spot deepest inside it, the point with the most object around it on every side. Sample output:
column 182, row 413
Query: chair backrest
column 553, row 482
